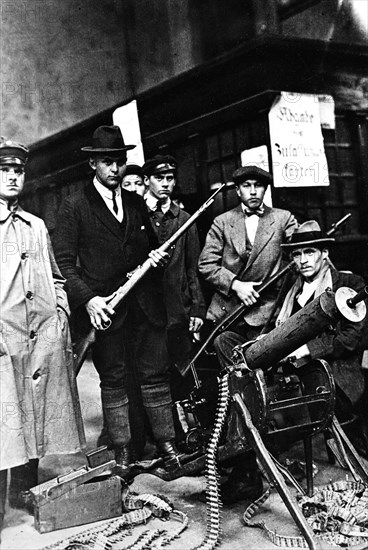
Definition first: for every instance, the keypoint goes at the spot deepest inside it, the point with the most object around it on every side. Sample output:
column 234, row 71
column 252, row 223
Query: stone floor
column 19, row 532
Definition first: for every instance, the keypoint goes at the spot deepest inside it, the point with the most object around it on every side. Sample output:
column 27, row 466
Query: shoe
column 249, row 487
column 123, row 458
column 170, row 454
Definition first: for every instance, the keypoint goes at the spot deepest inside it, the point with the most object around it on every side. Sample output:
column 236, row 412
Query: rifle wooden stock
column 235, row 314
column 82, row 347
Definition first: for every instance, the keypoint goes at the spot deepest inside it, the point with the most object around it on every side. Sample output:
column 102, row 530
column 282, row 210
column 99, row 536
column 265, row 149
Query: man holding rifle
column 101, row 236
column 242, row 250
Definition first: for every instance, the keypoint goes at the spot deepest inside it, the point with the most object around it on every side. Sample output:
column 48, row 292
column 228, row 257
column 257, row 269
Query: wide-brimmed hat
column 107, row 139
column 12, row 152
column 159, row 165
column 308, row 234
column 251, row 172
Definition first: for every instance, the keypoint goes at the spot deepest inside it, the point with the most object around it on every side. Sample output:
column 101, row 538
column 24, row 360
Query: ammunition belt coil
column 337, row 513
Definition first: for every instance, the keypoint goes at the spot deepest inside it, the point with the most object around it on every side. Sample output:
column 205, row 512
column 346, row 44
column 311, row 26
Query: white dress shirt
column 107, row 195
column 251, row 224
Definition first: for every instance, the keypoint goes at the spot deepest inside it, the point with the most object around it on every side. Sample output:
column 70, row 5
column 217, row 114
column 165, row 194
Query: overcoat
column 40, row 412
column 225, row 257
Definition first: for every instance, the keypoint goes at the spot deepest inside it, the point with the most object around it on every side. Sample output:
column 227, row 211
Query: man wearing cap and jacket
column 242, row 250
column 184, row 301
column 340, row 346
column 38, row 394
column 108, row 230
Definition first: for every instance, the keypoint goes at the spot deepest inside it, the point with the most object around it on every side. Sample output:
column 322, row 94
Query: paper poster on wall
column 258, row 156
column 126, row 117
column 297, row 149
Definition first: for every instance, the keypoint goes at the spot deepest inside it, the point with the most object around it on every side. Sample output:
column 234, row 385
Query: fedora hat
column 251, row 172
column 107, row 139
column 308, row 234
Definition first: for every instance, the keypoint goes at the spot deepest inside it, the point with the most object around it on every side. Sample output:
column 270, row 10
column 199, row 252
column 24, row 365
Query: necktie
column 159, row 206
column 258, row 212
column 114, row 203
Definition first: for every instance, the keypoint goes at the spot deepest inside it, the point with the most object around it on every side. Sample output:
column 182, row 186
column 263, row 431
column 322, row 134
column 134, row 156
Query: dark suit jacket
column 88, row 233
column 183, row 294
column 224, row 257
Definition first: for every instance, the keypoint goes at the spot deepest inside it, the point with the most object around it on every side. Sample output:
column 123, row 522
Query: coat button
column 223, row 308
column 29, row 295
column 32, row 334
column 36, row 375
column 157, row 224
column 24, row 256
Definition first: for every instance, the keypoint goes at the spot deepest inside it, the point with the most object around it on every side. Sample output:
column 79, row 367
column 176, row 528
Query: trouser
column 22, row 478
column 180, row 348
column 147, row 346
column 225, row 342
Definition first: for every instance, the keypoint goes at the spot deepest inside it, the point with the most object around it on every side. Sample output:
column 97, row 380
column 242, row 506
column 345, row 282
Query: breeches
column 134, row 341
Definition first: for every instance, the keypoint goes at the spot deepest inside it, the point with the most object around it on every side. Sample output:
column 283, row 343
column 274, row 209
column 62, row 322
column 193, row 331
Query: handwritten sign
column 297, row 149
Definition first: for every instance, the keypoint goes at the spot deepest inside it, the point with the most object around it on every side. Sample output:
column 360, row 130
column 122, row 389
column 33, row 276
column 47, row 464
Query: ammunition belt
column 213, row 499
column 337, row 513
column 110, row 532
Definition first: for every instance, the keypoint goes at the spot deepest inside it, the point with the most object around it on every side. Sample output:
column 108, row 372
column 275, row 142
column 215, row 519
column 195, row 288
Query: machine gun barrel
column 362, row 295
column 298, row 329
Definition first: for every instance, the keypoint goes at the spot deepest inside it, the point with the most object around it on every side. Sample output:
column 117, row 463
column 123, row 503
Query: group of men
column 101, row 236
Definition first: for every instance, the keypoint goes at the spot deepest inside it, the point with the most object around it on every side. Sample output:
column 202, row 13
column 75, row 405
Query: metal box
column 82, row 496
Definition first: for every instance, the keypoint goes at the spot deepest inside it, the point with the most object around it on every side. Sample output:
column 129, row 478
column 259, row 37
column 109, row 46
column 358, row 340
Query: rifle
column 235, row 314
column 85, row 343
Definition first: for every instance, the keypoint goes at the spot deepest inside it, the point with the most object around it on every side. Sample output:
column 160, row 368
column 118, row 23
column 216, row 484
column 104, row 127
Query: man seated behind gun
column 242, row 249
column 340, row 345
column 108, row 230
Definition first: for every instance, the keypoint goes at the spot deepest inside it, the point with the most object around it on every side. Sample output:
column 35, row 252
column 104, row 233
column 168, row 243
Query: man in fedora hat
column 242, row 250
column 340, row 346
column 38, row 393
column 107, row 230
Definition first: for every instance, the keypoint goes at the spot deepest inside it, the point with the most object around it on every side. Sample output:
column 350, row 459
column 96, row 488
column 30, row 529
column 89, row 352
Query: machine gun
column 263, row 402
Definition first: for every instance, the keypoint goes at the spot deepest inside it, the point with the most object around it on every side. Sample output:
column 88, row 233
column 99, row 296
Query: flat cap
column 251, row 172
column 159, row 165
column 133, row 170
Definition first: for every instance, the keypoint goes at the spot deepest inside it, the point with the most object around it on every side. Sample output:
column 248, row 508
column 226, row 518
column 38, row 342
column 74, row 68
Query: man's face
column 161, row 185
column 134, row 183
column 109, row 169
column 251, row 193
column 309, row 261
column 12, row 181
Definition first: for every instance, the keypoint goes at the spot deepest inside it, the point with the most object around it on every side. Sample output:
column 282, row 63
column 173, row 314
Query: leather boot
column 116, row 414
column 22, row 479
column 158, row 405
column 3, row 485
column 170, row 454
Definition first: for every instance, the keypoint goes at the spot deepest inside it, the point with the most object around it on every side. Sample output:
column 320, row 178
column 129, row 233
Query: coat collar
column 20, row 213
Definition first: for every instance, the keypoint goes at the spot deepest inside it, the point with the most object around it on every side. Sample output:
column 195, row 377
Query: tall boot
column 22, row 479
column 158, row 405
column 115, row 406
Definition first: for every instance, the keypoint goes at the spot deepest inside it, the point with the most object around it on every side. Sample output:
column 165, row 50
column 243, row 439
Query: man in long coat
column 242, row 250
column 101, row 236
column 184, row 302
column 40, row 411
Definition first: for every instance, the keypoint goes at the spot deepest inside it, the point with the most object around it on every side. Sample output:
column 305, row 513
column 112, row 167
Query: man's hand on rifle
column 245, row 291
column 158, row 258
column 99, row 312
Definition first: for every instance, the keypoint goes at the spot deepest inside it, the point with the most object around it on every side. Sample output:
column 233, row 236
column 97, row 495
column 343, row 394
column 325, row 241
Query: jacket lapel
column 265, row 231
column 237, row 232
column 102, row 212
